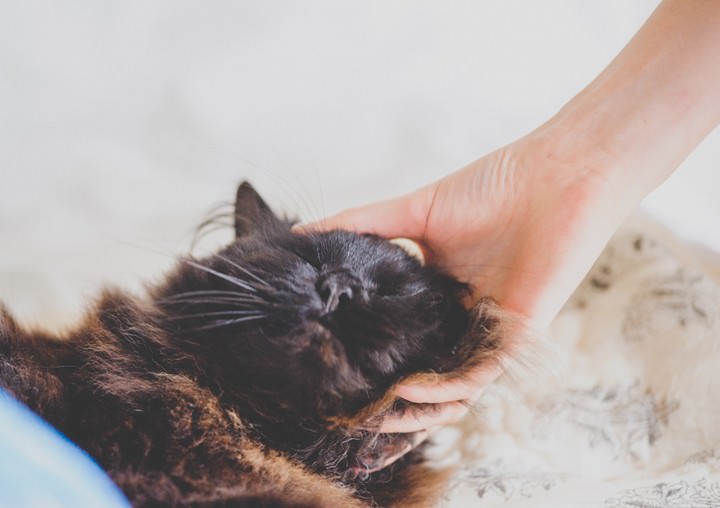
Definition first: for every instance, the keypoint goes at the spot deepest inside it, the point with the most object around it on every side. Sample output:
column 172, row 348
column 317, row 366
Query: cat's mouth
column 376, row 454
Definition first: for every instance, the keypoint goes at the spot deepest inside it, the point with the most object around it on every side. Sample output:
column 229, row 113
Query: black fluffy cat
column 254, row 377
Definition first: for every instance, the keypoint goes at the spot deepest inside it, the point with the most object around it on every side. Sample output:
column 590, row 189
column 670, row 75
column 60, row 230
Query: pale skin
column 524, row 224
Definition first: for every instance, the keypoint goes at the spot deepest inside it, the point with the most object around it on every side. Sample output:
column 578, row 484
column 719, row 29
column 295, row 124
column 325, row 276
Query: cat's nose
column 337, row 285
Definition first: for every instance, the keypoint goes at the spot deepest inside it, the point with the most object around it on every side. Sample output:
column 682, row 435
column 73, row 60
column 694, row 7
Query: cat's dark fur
column 253, row 377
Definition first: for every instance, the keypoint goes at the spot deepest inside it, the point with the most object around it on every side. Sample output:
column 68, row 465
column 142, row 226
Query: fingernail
column 300, row 227
column 411, row 247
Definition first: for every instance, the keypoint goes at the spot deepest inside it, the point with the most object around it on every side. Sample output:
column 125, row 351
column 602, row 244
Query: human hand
column 525, row 223
column 515, row 226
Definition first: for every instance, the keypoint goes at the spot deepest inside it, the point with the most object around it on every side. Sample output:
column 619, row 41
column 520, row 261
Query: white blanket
column 627, row 412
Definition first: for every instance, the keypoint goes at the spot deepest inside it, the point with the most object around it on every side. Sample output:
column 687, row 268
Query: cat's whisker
column 218, row 298
column 218, row 313
column 246, row 271
column 216, row 217
column 214, row 300
column 228, row 322
column 214, row 292
column 217, row 301
column 233, row 280
column 282, row 179
column 223, row 297
column 207, row 230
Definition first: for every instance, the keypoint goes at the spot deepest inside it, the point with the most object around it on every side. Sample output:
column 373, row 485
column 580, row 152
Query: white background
column 123, row 123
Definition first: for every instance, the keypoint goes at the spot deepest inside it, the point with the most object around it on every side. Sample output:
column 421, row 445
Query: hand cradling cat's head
column 317, row 325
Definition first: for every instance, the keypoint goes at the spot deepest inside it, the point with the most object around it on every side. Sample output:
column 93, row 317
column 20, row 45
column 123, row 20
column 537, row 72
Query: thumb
column 400, row 217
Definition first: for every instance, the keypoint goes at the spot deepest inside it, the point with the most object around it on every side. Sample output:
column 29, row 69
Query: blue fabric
column 40, row 468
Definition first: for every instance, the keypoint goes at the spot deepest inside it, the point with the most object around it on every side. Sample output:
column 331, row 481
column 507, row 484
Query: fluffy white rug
column 626, row 415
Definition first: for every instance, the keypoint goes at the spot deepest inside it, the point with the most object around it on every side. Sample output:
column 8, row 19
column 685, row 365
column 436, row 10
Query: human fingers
column 400, row 217
column 467, row 387
column 417, row 418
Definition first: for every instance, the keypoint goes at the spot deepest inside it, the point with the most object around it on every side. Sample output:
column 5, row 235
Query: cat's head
column 315, row 328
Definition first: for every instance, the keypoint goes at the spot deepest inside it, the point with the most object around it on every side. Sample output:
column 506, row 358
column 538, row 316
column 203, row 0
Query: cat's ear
column 250, row 210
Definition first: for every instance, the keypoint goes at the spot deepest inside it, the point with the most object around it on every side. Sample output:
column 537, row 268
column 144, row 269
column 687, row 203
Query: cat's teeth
column 411, row 247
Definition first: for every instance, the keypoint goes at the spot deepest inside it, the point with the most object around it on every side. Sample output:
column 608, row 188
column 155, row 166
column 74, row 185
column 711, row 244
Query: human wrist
column 642, row 116
column 574, row 166
column 575, row 199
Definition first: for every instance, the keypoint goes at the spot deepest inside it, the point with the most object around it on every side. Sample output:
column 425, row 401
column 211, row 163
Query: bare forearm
column 653, row 104
column 614, row 143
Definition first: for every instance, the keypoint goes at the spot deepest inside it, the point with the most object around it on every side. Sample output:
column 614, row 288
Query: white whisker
column 215, row 301
column 218, row 313
column 219, row 293
column 228, row 322
column 245, row 270
column 229, row 278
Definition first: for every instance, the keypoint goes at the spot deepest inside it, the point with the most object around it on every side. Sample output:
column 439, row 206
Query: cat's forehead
column 332, row 247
